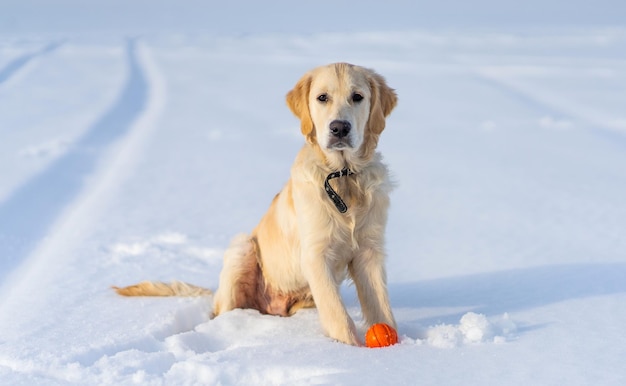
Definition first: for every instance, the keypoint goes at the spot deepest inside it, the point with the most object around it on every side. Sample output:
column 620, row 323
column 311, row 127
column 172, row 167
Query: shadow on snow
column 507, row 291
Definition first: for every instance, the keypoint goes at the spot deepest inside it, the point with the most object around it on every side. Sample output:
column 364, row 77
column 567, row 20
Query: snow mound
column 473, row 328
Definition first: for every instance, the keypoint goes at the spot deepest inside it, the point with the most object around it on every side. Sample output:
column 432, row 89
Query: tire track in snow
column 21, row 61
column 27, row 216
column 600, row 123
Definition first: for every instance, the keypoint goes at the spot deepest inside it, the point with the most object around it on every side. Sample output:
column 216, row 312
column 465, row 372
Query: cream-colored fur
column 303, row 248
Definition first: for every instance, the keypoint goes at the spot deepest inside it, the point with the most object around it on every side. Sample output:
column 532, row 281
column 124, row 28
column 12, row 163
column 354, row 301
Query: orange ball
column 381, row 335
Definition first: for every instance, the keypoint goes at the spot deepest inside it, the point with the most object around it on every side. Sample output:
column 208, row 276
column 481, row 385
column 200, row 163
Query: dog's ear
column 384, row 99
column 382, row 102
column 298, row 102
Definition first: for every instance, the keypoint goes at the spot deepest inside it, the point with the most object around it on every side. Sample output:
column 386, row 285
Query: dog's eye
column 323, row 98
column 356, row 97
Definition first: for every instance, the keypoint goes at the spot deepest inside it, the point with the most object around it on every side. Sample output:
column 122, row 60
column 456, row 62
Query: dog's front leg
column 367, row 270
column 325, row 291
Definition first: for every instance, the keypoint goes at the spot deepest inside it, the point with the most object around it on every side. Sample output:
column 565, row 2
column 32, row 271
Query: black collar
column 339, row 204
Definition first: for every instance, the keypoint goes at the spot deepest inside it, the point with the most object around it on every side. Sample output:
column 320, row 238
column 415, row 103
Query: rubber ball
column 381, row 335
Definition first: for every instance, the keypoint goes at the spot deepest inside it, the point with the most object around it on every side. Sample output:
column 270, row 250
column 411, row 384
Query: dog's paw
column 346, row 334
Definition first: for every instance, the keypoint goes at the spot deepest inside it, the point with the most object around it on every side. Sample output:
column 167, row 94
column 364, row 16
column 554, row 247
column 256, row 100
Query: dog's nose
column 340, row 128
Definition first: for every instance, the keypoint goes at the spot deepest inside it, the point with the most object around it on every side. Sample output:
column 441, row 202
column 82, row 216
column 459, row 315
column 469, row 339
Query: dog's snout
column 339, row 128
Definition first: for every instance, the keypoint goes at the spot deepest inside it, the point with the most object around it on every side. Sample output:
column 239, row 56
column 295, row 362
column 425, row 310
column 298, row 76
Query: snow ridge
column 473, row 328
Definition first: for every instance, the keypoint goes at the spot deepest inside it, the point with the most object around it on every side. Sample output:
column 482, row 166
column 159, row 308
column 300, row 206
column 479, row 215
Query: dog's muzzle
column 339, row 134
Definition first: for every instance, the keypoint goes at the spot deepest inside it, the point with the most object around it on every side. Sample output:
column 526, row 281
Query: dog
column 327, row 223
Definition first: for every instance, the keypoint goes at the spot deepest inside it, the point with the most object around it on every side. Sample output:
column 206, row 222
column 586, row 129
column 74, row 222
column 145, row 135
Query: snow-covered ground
column 134, row 148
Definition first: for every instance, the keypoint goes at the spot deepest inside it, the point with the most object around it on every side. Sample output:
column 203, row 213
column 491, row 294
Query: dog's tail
column 152, row 288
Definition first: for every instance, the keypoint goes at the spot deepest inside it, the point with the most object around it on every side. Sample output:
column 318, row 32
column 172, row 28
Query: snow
column 137, row 138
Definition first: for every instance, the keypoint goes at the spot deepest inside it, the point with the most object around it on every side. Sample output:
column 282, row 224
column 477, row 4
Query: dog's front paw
column 346, row 334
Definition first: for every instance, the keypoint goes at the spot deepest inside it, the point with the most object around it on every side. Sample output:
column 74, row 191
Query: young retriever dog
column 329, row 219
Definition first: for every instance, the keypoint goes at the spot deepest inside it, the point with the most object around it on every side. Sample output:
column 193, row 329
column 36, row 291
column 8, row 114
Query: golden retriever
column 328, row 221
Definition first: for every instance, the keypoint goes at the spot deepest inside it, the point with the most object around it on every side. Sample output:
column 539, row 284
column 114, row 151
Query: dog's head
column 342, row 110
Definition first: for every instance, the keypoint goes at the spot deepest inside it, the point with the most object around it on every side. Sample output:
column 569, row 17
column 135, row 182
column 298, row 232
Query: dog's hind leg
column 242, row 284
column 239, row 276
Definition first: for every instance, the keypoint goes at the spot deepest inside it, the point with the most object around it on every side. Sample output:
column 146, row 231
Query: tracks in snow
column 8, row 71
column 566, row 109
column 29, row 214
